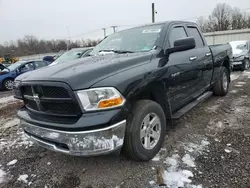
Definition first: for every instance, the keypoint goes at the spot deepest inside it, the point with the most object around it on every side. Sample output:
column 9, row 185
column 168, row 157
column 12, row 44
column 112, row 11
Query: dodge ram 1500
column 126, row 93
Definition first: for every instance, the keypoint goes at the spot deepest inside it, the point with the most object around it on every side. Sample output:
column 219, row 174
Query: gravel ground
column 208, row 147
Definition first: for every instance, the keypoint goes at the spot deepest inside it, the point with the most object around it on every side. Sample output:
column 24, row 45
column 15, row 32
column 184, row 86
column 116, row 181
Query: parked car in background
column 72, row 54
column 123, row 97
column 241, row 54
column 8, row 74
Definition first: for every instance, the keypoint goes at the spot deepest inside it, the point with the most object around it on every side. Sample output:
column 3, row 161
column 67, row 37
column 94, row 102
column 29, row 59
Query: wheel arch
column 157, row 92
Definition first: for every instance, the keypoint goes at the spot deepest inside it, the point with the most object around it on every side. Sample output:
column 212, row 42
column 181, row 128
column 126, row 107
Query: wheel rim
column 9, row 84
column 246, row 65
column 150, row 131
column 225, row 81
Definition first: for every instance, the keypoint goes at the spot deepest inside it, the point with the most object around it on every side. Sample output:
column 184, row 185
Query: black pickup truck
column 126, row 93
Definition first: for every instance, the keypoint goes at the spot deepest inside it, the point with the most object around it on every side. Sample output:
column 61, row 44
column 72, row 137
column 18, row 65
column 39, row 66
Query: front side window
column 176, row 33
column 138, row 39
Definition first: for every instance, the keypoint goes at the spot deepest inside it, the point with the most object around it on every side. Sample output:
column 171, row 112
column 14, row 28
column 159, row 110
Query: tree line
column 30, row 45
column 224, row 17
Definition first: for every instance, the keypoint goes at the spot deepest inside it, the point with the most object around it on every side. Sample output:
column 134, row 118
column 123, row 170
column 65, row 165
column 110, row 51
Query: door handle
column 193, row 58
column 208, row 54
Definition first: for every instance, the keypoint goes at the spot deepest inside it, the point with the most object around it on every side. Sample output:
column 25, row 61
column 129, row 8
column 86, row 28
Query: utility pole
column 114, row 28
column 153, row 13
column 104, row 31
column 68, row 39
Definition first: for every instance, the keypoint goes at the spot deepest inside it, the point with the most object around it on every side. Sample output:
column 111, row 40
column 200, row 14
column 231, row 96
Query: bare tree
column 248, row 22
column 30, row 45
column 239, row 19
column 221, row 17
column 203, row 23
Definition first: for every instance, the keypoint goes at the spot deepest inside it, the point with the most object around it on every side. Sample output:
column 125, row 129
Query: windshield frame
column 96, row 50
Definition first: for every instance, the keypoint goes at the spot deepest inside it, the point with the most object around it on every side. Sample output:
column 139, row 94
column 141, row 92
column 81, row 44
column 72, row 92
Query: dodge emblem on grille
column 36, row 98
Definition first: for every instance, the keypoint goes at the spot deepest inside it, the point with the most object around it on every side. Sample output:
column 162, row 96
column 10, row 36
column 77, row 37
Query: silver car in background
column 241, row 53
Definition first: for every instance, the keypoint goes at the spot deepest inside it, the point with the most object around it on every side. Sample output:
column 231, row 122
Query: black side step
column 185, row 109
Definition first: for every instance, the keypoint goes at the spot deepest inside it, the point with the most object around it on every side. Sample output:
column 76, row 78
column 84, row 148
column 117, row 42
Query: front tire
column 8, row 84
column 222, row 84
column 245, row 65
column 145, row 131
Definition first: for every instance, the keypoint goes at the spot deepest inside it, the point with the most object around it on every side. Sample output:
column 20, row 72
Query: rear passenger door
column 203, row 54
column 185, row 71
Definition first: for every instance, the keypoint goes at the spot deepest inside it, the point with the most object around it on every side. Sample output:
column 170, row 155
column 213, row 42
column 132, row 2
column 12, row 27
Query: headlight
column 100, row 98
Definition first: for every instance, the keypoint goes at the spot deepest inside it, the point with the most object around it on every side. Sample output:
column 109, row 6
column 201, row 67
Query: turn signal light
column 110, row 102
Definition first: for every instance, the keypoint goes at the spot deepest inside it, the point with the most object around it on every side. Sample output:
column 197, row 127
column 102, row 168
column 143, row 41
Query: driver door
column 185, row 79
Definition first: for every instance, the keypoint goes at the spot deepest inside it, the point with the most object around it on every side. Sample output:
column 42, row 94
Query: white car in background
column 241, row 53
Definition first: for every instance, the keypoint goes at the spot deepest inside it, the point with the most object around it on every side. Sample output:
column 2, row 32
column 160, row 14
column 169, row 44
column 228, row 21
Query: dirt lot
column 208, row 147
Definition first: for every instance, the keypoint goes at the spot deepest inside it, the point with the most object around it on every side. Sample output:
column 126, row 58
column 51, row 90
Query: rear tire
column 222, row 85
column 8, row 84
column 145, row 131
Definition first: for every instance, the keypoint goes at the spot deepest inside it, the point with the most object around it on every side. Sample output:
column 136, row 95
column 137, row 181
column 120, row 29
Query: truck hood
column 83, row 73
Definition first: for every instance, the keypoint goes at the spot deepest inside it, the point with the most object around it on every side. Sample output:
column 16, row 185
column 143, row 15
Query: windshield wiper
column 117, row 51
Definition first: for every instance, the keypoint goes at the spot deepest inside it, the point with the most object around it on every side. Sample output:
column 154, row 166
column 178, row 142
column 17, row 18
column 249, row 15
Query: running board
column 185, row 109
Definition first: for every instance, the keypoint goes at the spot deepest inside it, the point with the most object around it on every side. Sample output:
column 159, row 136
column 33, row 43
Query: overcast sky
column 49, row 19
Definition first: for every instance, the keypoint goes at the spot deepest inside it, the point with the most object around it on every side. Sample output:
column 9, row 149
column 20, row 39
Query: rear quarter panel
column 221, row 53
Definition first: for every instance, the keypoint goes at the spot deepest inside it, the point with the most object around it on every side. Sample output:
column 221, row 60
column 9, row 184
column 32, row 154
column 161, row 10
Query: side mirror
column 182, row 45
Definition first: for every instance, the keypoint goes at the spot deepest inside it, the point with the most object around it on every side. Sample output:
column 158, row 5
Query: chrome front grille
column 51, row 100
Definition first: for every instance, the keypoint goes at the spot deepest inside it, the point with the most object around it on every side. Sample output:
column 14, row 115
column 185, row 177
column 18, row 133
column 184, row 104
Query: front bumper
column 78, row 143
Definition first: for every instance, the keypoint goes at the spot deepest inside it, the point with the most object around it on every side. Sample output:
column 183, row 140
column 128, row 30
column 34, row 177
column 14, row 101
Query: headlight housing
column 100, row 98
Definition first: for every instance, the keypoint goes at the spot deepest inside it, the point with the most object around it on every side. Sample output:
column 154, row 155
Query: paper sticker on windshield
column 151, row 31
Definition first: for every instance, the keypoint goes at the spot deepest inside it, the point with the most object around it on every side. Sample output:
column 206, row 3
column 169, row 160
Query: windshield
column 239, row 47
column 70, row 55
column 14, row 66
column 132, row 40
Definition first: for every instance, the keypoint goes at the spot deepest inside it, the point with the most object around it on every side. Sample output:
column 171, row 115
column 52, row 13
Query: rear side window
column 176, row 33
column 193, row 31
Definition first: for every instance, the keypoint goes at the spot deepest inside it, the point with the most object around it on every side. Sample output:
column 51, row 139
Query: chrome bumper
column 82, row 143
